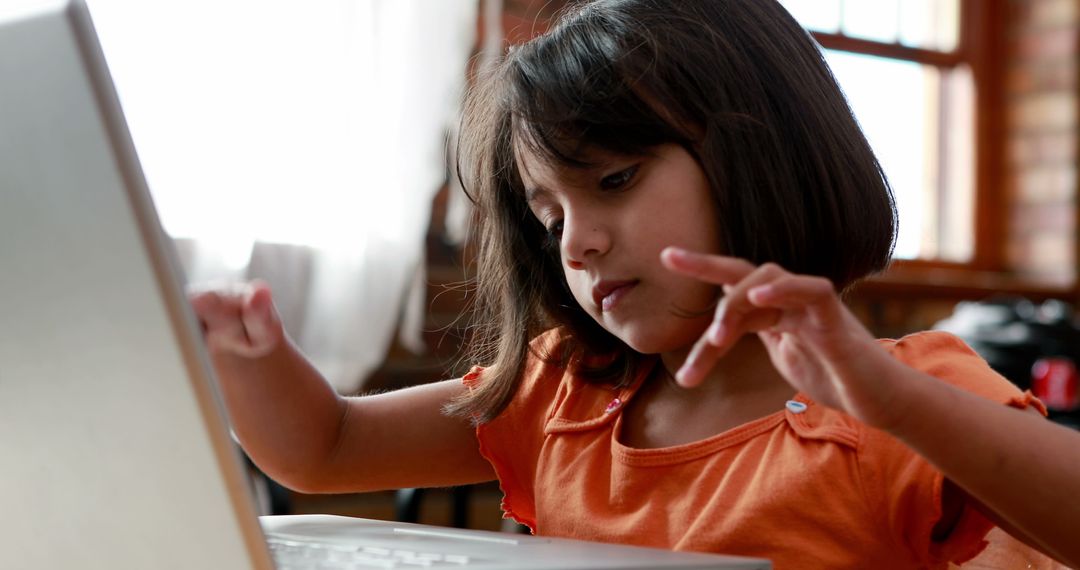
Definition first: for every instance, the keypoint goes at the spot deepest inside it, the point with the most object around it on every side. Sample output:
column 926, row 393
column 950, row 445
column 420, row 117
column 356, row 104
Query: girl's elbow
column 309, row 481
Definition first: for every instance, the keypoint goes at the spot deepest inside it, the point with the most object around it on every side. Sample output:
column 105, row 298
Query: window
column 299, row 143
column 910, row 70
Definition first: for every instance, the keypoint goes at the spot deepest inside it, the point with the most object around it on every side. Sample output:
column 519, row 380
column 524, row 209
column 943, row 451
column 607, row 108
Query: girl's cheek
column 579, row 288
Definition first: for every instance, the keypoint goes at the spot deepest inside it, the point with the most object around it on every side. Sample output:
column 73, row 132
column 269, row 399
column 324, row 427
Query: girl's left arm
column 1022, row 471
column 1018, row 468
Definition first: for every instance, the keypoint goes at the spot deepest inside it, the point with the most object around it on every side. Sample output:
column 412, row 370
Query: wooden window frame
column 980, row 45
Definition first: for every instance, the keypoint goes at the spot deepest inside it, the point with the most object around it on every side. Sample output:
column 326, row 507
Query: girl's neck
column 745, row 371
column 744, row 386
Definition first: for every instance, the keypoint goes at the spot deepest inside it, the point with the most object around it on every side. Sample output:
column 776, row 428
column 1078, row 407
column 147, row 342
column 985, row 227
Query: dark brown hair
column 738, row 84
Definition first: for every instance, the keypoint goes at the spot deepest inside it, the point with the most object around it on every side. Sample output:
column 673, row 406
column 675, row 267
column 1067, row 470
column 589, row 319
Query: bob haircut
column 738, row 84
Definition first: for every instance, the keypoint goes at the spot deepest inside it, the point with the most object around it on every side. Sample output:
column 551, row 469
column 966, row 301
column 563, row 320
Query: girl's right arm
column 299, row 431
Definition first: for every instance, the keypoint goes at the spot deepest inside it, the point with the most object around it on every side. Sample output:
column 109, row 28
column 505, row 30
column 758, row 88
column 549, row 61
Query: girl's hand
column 818, row 346
column 240, row 320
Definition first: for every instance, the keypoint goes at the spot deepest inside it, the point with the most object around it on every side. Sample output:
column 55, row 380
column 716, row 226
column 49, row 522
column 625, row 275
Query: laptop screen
column 114, row 444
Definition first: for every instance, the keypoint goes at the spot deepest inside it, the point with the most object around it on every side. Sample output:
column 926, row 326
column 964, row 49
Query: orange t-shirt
column 810, row 489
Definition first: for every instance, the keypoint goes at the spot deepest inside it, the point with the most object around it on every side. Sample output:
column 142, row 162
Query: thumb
column 262, row 324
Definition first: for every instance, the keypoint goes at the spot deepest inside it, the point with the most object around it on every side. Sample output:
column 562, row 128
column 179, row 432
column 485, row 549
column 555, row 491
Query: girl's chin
column 652, row 343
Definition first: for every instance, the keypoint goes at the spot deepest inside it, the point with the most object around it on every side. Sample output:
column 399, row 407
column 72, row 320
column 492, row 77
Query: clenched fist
column 238, row 319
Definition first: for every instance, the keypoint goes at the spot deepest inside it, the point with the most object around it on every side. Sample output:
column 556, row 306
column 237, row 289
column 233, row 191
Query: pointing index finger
column 715, row 269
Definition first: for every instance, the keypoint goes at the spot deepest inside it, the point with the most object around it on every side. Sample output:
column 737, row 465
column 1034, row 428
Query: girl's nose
column 583, row 240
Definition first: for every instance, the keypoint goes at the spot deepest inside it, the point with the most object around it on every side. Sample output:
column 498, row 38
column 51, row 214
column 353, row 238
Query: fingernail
column 716, row 333
column 672, row 252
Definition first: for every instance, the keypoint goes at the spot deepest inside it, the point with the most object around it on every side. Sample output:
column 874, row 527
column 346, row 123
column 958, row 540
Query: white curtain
column 299, row 142
column 459, row 209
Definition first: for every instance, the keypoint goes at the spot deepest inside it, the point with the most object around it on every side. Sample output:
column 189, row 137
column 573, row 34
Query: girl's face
column 611, row 222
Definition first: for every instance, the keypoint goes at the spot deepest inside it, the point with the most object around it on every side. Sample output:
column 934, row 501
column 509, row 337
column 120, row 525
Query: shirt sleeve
column 903, row 485
column 512, row 441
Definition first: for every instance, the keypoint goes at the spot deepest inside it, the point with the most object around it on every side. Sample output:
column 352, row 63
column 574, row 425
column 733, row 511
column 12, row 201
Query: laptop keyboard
column 302, row 555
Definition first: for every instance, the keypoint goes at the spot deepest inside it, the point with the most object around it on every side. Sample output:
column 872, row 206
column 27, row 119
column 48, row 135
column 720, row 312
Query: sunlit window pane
column 929, row 24
column 919, row 118
column 956, row 218
column 948, row 25
column 877, row 20
column 900, row 106
column 816, row 15
column 917, row 23
column 926, row 24
column 888, row 98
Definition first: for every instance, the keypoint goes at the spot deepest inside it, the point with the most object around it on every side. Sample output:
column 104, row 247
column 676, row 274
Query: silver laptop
column 115, row 452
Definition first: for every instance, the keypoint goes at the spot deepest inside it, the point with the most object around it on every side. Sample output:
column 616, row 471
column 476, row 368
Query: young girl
column 670, row 195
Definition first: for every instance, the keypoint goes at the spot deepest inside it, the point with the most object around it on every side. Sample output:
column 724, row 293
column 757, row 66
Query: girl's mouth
column 607, row 294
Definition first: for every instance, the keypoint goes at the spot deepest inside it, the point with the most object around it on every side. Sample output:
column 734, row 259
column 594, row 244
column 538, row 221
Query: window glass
column 918, row 117
column 929, row 24
column 925, row 24
column 889, row 99
column 913, row 117
column 877, row 20
column 816, row 15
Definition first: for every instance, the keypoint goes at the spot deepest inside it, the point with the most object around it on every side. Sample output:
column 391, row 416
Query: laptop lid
column 115, row 453
column 114, row 447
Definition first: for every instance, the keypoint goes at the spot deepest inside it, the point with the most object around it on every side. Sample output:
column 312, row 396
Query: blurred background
column 306, row 144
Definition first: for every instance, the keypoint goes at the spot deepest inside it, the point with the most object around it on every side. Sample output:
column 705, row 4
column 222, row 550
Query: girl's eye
column 619, row 179
column 554, row 235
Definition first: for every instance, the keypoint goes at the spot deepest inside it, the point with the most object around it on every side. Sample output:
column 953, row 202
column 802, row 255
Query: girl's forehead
column 538, row 174
column 539, row 171
column 561, row 143
column 557, row 157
